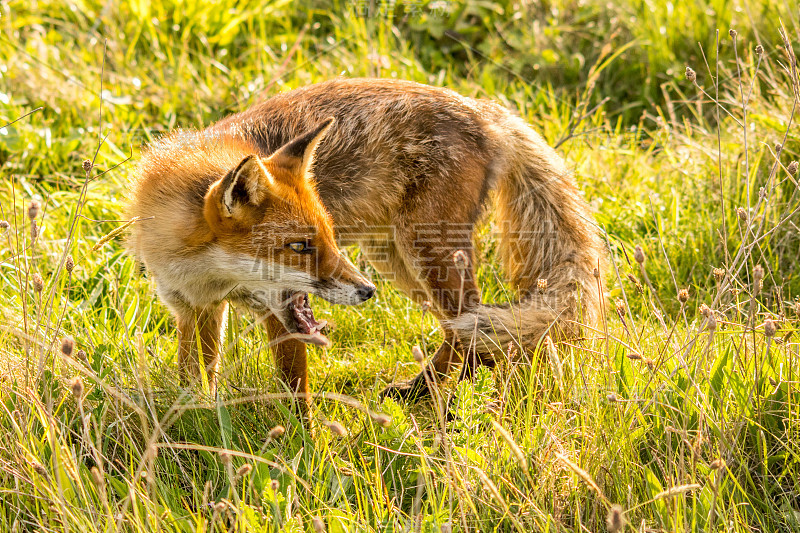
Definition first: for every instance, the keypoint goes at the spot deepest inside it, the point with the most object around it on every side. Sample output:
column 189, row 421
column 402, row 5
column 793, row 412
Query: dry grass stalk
column 583, row 474
column 677, row 490
column 516, row 451
column 112, row 234
column 615, row 521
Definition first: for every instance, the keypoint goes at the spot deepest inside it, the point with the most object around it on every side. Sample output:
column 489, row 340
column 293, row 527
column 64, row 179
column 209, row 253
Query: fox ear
column 248, row 183
column 295, row 157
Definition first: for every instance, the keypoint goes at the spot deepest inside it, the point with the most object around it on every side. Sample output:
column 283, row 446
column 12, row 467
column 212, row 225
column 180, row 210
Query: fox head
column 276, row 237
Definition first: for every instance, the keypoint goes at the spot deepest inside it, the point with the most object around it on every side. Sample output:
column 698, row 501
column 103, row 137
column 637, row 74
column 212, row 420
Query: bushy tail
column 550, row 247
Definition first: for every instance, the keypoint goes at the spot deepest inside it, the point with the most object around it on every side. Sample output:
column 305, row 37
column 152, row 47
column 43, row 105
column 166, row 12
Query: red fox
column 246, row 210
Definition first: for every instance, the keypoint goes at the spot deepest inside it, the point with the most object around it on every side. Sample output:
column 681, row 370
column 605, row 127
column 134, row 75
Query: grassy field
column 681, row 413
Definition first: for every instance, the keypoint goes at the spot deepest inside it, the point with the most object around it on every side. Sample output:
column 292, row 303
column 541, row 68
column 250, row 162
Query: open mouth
column 303, row 317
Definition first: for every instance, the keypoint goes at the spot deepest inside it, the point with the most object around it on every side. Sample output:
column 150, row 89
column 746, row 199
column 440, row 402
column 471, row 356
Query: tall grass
column 680, row 413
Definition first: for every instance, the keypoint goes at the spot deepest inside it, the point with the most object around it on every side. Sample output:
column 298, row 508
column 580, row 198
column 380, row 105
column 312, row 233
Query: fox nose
column 365, row 292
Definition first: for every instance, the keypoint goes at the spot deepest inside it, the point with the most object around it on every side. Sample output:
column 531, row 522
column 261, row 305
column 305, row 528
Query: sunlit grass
column 683, row 421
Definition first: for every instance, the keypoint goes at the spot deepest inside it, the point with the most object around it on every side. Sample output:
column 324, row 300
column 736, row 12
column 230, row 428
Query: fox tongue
column 307, row 323
column 304, row 315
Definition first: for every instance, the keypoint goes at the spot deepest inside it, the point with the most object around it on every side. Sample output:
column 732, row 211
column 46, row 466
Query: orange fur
column 406, row 172
column 218, row 223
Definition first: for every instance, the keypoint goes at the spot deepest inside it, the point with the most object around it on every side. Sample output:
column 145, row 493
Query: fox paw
column 411, row 391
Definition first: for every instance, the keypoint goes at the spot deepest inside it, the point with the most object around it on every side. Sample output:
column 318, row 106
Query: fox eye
column 300, row 247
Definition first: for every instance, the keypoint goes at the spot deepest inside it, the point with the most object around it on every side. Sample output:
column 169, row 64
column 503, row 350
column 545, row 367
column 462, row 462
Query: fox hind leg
column 421, row 263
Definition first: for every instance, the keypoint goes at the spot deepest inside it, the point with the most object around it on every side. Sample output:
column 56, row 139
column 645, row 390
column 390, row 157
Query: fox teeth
column 299, row 300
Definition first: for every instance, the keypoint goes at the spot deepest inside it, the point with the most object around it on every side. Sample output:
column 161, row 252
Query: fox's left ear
column 293, row 159
column 248, row 183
